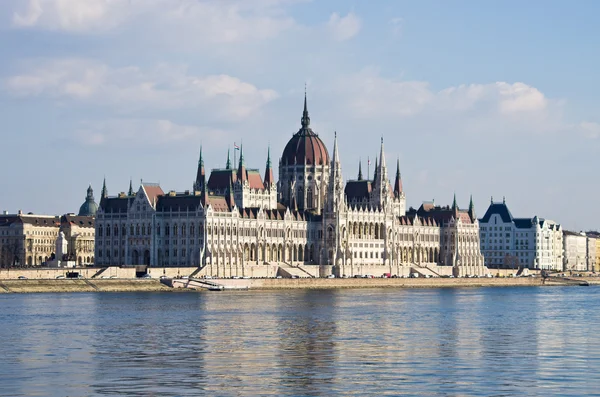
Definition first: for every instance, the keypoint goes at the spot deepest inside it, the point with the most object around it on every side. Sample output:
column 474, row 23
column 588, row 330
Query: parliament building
column 310, row 222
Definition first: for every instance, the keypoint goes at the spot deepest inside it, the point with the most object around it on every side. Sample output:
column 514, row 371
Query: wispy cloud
column 130, row 88
column 205, row 21
column 138, row 132
column 344, row 28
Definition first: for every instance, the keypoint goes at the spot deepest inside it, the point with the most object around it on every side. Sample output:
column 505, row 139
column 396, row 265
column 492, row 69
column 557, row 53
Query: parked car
column 60, row 276
column 22, row 278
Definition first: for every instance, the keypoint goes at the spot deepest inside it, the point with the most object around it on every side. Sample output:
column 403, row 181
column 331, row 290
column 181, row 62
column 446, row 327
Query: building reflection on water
column 471, row 341
column 306, row 354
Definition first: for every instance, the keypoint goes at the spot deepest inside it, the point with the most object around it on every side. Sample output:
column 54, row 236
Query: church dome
column 89, row 207
column 305, row 147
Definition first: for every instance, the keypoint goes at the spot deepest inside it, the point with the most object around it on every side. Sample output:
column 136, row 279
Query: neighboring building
column 508, row 242
column 27, row 239
column 30, row 240
column 593, row 251
column 236, row 218
column 575, row 246
column 80, row 235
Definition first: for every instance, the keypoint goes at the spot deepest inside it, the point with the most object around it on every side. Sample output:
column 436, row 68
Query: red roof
column 255, row 180
column 152, row 192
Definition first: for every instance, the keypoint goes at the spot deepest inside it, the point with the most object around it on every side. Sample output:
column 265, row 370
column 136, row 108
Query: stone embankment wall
column 65, row 285
column 321, row 283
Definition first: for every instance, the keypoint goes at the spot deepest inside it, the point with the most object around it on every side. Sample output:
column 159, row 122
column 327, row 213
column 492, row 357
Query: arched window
column 100, row 231
column 116, row 230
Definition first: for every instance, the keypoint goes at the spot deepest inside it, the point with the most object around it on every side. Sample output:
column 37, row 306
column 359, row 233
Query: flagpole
column 234, row 156
column 368, row 168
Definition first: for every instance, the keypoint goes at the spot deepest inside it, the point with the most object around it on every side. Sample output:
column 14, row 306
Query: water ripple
column 434, row 342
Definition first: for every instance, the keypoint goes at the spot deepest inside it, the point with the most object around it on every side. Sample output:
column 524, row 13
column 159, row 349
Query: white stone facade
column 576, row 251
column 508, row 242
column 309, row 217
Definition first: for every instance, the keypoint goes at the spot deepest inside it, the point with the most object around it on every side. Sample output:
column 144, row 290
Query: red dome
column 305, row 147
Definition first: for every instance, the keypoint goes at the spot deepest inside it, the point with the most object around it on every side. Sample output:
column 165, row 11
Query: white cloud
column 131, row 88
column 344, row 28
column 203, row 21
column 138, row 132
column 367, row 95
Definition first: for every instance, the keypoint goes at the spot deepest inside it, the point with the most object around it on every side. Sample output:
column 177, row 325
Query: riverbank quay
column 83, row 285
column 348, row 283
column 183, row 284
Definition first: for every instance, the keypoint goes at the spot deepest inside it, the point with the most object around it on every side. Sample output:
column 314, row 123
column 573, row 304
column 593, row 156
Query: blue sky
column 495, row 98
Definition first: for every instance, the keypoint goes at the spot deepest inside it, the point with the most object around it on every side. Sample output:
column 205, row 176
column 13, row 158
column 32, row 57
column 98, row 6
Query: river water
column 536, row 341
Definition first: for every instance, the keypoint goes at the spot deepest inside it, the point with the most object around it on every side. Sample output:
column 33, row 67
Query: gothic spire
column 375, row 172
column 305, row 118
column 398, row 182
column 228, row 164
column 336, row 157
column 241, row 172
column 200, row 175
column 130, row 192
column 104, row 193
column 472, row 210
column 269, row 180
column 454, row 206
column 360, row 175
column 382, row 164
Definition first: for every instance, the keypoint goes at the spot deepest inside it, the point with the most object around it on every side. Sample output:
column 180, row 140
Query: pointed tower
column 455, row 207
column 398, row 181
column 130, row 192
column 269, row 180
column 375, row 171
column 472, row 214
column 104, row 193
column 381, row 184
column 242, row 175
column 360, row 175
column 336, row 182
column 200, row 174
column 305, row 121
column 228, row 164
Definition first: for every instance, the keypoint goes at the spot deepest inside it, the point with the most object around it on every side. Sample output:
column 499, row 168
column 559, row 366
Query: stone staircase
column 423, row 271
column 288, row 271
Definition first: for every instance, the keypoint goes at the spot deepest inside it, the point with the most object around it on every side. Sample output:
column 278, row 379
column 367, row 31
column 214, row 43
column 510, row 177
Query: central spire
column 305, row 118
